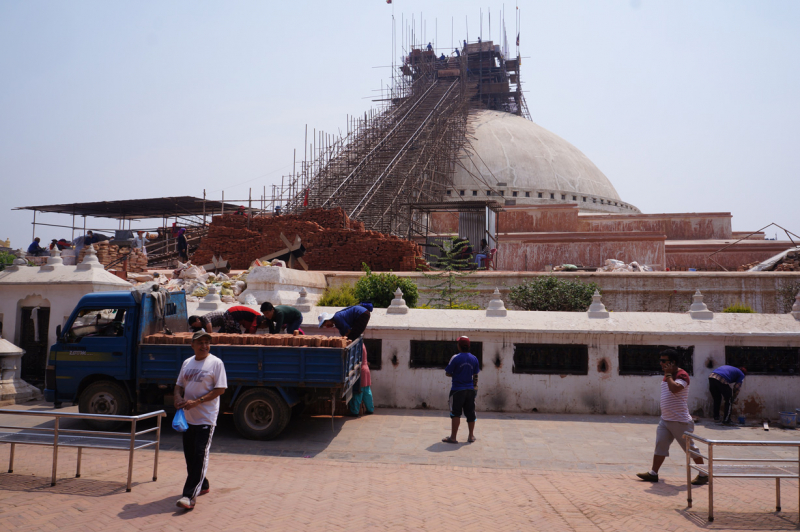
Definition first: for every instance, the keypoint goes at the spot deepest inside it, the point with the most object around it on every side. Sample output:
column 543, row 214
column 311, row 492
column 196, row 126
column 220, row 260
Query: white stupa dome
column 510, row 156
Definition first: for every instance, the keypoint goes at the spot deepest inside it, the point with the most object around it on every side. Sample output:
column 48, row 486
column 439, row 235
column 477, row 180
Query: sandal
column 449, row 440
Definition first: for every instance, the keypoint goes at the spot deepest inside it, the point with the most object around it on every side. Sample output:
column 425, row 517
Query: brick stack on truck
column 120, row 353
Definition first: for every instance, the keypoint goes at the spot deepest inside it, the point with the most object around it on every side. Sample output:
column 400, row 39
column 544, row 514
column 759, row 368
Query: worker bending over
column 351, row 321
column 281, row 316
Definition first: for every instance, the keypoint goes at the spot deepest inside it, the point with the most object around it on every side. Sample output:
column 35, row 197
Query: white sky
column 686, row 106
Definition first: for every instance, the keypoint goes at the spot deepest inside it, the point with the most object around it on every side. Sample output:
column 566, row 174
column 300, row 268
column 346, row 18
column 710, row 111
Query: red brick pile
column 332, row 242
column 253, row 339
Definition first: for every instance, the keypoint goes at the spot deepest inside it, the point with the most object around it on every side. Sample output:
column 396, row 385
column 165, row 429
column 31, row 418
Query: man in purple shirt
column 719, row 384
column 463, row 368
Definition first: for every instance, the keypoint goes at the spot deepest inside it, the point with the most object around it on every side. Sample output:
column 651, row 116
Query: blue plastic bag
column 179, row 421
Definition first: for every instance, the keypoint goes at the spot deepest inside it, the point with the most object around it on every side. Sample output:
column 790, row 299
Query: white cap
column 325, row 316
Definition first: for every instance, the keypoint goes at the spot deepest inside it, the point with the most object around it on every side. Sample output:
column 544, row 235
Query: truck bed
column 259, row 365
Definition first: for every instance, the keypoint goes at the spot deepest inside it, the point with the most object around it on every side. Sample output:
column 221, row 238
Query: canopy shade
column 138, row 208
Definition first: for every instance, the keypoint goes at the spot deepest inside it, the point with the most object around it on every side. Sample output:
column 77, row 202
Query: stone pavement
column 390, row 471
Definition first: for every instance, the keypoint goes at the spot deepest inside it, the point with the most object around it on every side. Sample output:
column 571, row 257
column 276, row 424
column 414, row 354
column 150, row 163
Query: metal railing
column 739, row 471
column 83, row 438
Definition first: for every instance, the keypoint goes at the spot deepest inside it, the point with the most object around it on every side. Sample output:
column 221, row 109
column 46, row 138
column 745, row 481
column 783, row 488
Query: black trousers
column 359, row 325
column 719, row 391
column 196, row 446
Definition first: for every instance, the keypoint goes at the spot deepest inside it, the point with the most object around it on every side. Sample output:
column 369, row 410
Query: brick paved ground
column 389, row 471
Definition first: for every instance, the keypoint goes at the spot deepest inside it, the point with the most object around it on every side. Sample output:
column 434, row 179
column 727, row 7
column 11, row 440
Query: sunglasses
column 664, row 360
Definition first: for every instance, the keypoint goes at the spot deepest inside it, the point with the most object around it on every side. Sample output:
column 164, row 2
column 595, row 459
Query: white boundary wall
column 401, row 386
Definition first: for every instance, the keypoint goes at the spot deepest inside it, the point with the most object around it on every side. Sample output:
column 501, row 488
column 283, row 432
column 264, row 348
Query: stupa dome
column 530, row 165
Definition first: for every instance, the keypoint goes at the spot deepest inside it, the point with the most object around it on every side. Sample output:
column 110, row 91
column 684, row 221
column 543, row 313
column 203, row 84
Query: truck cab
column 93, row 362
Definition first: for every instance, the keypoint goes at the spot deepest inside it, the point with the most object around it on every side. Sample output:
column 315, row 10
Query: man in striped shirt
column 675, row 417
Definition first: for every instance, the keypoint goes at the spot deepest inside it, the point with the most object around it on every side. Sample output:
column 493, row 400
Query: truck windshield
column 97, row 322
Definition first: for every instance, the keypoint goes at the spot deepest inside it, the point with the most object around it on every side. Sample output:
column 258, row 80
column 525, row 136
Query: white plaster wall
column 400, row 386
column 60, row 298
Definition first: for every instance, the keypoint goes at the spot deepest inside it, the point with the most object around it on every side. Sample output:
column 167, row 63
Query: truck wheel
column 104, row 397
column 261, row 414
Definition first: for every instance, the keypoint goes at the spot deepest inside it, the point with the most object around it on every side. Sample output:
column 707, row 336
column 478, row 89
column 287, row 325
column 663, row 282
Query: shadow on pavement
column 164, row 506
column 740, row 520
column 441, row 446
column 65, row 486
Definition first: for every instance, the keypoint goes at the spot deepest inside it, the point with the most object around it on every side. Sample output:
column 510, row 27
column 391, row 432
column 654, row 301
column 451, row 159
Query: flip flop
column 449, row 440
column 472, row 439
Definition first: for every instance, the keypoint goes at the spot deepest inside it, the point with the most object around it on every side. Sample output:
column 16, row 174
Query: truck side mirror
column 58, row 332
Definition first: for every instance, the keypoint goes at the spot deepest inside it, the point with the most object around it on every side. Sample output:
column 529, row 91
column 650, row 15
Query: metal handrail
column 103, row 417
column 741, row 442
column 784, row 472
column 133, row 420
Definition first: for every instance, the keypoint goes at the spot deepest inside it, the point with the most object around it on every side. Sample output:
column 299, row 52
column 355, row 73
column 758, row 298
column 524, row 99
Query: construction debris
column 613, row 265
column 332, row 241
column 787, row 261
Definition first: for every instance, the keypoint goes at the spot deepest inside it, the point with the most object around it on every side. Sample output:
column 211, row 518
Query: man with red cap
column 463, row 368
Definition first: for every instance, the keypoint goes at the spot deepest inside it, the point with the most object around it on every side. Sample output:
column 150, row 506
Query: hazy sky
column 686, row 106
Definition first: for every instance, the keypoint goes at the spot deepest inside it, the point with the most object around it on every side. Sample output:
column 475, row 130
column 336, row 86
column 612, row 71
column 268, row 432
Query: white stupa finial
column 699, row 310
column 496, row 306
column 597, row 309
column 398, row 305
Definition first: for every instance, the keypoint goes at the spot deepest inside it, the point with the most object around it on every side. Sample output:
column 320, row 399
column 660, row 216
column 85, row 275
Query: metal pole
column 11, row 460
column 34, row 227
column 130, row 457
column 222, row 211
column 689, row 442
column 55, row 452
column 204, row 207
column 73, row 226
column 78, row 471
column 710, row 481
column 777, row 494
column 158, row 444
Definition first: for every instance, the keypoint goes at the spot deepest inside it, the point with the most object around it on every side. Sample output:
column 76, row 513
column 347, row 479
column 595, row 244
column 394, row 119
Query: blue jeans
column 480, row 257
column 365, row 396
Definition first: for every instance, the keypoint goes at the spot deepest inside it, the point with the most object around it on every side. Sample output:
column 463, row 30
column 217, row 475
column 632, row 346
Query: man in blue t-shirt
column 719, row 384
column 463, row 368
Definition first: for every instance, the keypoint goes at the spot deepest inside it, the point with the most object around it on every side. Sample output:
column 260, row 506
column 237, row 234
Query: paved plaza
column 390, row 471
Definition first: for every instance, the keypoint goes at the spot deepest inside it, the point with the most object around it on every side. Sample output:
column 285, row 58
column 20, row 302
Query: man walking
column 719, row 384
column 200, row 383
column 463, row 368
column 675, row 417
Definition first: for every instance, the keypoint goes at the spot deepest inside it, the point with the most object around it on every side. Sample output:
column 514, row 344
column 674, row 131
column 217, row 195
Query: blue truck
column 100, row 363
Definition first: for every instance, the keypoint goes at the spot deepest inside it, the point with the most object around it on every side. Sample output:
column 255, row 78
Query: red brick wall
column 332, row 242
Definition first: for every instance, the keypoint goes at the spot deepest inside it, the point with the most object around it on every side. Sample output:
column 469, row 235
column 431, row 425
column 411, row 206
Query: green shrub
column 380, row 288
column 338, row 296
column 552, row 293
column 739, row 308
column 6, row 259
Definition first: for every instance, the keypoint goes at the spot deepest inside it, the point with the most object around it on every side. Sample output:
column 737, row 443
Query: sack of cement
column 239, row 287
column 192, row 272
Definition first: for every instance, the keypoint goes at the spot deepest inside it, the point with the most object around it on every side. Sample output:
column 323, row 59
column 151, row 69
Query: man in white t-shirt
column 200, row 383
column 675, row 417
